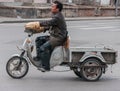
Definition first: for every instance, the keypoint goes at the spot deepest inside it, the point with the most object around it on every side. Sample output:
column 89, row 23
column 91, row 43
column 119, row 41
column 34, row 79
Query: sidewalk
column 20, row 20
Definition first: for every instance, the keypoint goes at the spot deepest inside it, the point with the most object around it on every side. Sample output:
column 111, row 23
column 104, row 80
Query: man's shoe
column 43, row 69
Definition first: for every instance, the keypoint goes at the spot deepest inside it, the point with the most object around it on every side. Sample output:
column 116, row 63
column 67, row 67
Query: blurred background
column 72, row 8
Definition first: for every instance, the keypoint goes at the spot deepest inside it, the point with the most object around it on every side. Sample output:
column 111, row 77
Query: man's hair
column 59, row 5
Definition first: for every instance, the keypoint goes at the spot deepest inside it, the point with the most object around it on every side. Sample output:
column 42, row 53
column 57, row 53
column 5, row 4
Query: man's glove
column 34, row 26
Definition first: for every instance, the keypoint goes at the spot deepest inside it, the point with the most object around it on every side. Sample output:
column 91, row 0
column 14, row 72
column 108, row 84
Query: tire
column 15, row 69
column 89, row 72
column 77, row 73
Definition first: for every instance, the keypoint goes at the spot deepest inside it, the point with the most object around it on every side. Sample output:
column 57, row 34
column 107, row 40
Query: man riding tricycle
column 88, row 63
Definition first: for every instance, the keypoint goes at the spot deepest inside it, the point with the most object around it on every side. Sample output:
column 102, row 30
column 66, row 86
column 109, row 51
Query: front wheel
column 17, row 67
column 91, row 69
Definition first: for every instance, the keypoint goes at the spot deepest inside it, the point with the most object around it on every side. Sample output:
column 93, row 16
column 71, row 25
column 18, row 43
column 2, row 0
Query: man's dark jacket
column 57, row 29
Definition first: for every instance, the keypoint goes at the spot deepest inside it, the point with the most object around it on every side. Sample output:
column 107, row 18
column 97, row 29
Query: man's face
column 54, row 8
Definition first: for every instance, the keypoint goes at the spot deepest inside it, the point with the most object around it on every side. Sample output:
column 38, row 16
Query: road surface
column 82, row 33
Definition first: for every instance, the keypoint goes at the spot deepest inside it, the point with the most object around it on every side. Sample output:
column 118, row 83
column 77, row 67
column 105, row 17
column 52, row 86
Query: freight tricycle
column 87, row 63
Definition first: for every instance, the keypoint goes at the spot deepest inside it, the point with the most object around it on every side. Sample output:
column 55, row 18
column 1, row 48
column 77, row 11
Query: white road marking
column 12, row 24
column 91, row 27
column 113, row 30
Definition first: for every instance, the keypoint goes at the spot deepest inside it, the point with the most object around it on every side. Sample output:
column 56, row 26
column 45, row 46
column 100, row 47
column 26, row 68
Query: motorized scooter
column 88, row 62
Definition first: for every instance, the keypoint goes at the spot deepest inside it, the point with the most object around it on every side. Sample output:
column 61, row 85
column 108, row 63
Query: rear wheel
column 91, row 69
column 17, row 67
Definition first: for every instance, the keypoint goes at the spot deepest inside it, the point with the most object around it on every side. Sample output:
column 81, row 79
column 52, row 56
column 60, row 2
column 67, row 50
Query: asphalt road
column 82, row 33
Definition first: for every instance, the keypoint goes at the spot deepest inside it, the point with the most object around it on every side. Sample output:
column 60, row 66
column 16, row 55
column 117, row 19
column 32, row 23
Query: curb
column 5, row 20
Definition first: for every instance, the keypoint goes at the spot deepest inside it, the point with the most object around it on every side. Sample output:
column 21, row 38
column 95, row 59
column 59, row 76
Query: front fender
column 15, row 55
column 18, row 55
